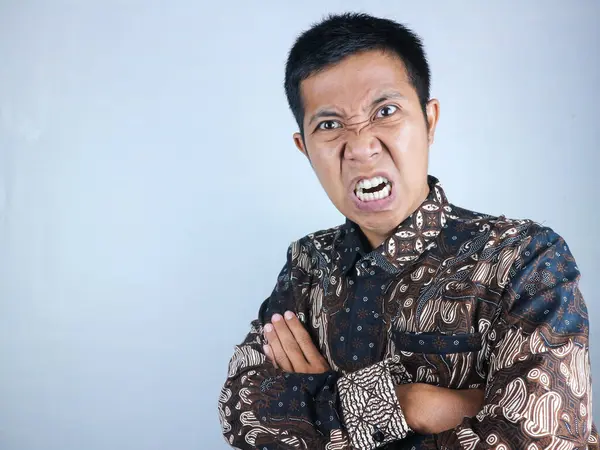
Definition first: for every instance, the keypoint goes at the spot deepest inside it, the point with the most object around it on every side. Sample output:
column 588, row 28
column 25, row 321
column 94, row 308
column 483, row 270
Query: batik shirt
column 452, row 298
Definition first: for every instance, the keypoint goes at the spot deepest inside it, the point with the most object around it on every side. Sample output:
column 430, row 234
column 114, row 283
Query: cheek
column 410, row 138
column 327, row 168
column 408, row 148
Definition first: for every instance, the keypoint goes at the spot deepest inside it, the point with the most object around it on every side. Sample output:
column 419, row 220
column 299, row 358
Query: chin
column 375, row 221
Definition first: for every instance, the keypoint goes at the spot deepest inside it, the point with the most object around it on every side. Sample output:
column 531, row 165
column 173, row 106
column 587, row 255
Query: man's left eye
column 387, row 111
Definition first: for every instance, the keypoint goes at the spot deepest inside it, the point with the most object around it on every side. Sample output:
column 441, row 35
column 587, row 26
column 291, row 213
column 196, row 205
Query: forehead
column 355, row 80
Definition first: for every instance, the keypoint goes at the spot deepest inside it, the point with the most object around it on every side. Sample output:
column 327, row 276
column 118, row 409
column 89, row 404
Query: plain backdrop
column 149, row 188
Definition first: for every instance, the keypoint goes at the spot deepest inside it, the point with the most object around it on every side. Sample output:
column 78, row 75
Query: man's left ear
column 433, row 115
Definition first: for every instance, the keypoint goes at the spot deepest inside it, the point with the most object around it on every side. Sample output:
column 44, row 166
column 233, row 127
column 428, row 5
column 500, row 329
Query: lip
column 374, row 205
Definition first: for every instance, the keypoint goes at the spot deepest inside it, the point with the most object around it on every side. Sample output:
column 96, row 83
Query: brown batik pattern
column 454, row 299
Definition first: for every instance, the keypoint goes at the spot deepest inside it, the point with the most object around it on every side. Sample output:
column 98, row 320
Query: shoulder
column 304, row 256
column 514, row 243
column 322, row 239
column 498, row 231
column 316, row 245
column 543, row 290
column 542, row 248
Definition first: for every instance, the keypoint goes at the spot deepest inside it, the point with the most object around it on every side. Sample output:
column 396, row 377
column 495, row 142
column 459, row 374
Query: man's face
column 367, row 140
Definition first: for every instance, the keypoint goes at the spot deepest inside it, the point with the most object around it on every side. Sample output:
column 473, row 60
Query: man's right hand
column 430, row 409
column 290, row 347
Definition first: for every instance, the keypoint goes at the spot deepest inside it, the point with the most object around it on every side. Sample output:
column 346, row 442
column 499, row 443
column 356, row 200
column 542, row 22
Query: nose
column 361, row 146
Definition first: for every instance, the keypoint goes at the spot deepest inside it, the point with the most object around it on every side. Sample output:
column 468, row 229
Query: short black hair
column 341, row 35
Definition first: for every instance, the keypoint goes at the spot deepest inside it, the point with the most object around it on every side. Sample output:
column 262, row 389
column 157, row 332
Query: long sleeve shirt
column 452, row 298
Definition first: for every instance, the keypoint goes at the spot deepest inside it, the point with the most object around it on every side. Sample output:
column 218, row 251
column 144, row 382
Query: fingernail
column 268, row 328
column 289, row 315
column 276, row 318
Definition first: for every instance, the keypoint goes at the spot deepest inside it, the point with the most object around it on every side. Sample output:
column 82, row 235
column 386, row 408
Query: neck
column 376, row 239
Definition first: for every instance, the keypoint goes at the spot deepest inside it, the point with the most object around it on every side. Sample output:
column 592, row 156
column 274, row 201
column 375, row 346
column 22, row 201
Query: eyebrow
column 389, row 95
column 324, row 113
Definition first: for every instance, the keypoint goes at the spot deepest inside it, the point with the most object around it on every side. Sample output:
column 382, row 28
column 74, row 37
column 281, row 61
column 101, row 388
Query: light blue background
column 149, row 188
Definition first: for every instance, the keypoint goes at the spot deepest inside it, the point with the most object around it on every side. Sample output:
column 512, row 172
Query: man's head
column 359, row 89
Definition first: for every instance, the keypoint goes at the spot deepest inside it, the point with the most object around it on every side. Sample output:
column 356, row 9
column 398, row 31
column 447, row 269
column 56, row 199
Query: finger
column 288, row 341
column 279, row 354
column 305, row 342
column 269, row 355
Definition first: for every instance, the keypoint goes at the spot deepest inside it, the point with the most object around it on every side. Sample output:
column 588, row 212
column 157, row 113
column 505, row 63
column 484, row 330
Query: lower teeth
column 377, row 195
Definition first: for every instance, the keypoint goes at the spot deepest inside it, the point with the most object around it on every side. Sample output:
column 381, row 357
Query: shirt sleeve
column 370, row 407
column 538, row 390
column 263, row 408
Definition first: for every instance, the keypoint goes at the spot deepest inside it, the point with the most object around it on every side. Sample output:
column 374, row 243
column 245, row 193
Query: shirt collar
column 410, row 239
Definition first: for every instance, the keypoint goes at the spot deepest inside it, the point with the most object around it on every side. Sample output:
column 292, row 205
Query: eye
column 386, row 111
column 329, row 125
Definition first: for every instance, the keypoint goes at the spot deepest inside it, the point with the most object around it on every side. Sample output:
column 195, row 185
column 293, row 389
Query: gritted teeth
column 368, row 183
column 376, row 188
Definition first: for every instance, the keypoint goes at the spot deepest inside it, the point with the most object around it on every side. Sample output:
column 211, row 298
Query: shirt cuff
column 370, row 407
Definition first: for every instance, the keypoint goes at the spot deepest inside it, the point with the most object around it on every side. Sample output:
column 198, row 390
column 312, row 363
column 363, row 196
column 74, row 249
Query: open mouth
column 371, row 189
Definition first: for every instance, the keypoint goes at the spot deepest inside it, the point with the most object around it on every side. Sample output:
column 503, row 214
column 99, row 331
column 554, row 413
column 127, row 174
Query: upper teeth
column 370, row 182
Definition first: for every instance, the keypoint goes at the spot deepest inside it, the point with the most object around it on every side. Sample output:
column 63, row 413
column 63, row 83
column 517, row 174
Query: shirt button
column 378, row 436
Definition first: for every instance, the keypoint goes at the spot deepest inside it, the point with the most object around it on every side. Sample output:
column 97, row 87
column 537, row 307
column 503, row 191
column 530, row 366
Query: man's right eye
column 329, row 125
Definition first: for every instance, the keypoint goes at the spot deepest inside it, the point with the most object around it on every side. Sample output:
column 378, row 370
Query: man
column 417, row 323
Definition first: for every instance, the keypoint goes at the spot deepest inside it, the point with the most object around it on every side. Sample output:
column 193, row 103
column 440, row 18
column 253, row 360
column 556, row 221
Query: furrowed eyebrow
column 391, row 95
column 324, row 113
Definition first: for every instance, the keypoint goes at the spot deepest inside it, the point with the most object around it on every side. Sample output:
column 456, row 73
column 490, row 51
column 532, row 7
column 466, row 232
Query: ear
column 433, row 115
column 300, row 145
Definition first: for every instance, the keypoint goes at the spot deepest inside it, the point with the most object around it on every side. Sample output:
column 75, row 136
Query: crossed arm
column 537, row 394
column 427, row 409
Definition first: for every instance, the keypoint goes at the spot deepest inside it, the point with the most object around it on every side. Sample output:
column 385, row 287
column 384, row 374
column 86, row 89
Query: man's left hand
column 432, row 409
column 290, row 347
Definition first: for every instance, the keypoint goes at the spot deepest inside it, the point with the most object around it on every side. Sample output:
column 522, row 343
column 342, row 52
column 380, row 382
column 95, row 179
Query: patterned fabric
column 369, row 404
column 454, row 299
